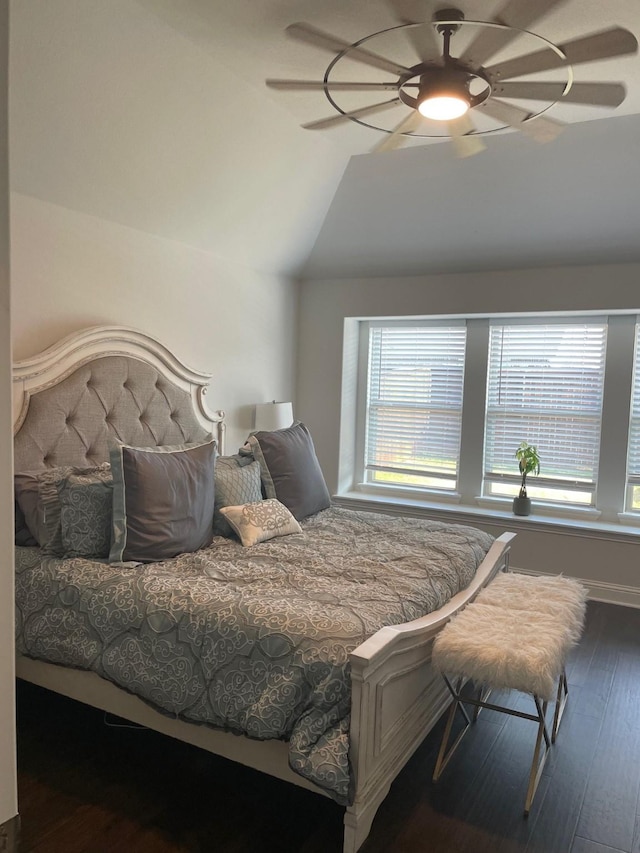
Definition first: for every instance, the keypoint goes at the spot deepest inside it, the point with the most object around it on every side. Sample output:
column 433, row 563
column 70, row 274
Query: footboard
column 397, row 698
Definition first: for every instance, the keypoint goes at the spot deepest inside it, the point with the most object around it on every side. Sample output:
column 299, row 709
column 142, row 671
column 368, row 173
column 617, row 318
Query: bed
column 332, row 614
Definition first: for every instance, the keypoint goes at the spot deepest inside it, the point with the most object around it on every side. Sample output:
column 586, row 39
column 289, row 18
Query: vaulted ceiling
column 257, row 44
column 118, row 114
column 155, row 113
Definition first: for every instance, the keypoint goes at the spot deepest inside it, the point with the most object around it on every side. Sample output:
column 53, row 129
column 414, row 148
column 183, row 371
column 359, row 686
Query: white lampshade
column 270, row 416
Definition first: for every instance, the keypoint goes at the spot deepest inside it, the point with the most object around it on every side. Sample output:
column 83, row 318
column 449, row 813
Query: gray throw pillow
column 163, row 500
column 38, row 497
column 290, row 470
column 236, row 483
column 85, row 514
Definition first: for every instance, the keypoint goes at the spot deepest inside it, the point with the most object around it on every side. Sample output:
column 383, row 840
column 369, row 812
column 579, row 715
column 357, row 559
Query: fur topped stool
column 516, row 636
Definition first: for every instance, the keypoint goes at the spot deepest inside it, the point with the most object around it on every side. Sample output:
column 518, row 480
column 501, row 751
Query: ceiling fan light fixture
column 443, row 107
column 444, row 94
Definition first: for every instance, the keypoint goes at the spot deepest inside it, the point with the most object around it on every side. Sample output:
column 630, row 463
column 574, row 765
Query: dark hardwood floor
column 89, row 787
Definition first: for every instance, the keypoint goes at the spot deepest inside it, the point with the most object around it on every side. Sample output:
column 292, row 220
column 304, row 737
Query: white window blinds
column 414, row 404
column 545, row 386
column 633, row 460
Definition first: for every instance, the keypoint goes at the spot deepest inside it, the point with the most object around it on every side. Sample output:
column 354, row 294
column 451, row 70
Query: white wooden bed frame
column 396, row 695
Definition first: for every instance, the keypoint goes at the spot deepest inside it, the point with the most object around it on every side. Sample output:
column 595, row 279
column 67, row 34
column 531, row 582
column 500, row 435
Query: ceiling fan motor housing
column 448, row 15
column 452, row 80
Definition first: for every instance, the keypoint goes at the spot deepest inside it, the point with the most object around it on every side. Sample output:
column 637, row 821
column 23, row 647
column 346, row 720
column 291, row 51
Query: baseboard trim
column 9, row 834
column 611, row 593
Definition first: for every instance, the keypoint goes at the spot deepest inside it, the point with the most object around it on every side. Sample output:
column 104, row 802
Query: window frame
column 609, row 511
column 362, row 469
column 632, row 481
column 540, row 482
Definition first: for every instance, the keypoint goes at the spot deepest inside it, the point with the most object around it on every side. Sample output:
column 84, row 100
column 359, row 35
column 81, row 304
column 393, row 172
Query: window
column 545, row 386
column 436, row 408
column 633, row 461
column 414, row 404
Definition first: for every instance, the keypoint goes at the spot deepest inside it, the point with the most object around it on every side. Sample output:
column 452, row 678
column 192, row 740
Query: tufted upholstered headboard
column 101, row 384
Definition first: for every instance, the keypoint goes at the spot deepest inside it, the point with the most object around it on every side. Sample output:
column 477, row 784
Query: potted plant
column 529, row 463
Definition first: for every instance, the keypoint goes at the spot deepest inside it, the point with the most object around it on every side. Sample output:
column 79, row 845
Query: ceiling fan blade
column 465, row 141
column 307, row 33
column 342, row 117
column 396, row 137
column 467, row 146
column 313, row 85
column 425, row 41
column 608, row 43
column 540, row 128
column 598, row 94
column 519, row 14
column 460, row 126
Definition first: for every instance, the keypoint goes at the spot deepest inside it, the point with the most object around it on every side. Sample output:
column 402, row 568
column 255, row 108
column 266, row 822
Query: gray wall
column 152, row 186
column 607, row 562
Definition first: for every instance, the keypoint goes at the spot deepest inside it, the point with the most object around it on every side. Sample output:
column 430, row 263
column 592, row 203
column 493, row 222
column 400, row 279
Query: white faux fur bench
column 515, row 635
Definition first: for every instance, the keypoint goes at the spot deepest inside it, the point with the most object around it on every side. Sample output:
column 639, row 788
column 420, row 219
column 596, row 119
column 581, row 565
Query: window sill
column 497, row 514
column 548, row 510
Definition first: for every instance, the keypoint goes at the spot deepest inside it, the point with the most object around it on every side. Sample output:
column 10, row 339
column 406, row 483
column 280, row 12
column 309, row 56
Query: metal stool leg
column 561, row 701
column 543, row 740
column 443, row 755
column 538, row 762
column 482, row 699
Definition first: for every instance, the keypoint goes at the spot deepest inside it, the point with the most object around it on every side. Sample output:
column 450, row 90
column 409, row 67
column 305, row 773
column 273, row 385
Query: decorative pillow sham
column 290, row 469
column 38, row 497
column 85, row 514
column 236, row 483
column 260, row 521
column 163, row 501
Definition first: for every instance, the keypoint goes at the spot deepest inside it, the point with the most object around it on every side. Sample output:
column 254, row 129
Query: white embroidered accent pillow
column 259, row 521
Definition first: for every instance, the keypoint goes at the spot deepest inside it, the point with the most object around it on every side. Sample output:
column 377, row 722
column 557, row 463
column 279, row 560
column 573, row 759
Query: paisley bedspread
column 253, row 640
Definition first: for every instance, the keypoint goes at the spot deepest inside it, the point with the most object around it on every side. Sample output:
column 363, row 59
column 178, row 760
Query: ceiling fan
column 455, row 90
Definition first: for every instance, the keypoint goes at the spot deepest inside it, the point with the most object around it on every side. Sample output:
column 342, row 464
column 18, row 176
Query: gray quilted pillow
column 236, row 484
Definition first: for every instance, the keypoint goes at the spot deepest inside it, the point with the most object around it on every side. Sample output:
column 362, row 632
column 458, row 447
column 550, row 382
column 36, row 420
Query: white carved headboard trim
column 52, row 365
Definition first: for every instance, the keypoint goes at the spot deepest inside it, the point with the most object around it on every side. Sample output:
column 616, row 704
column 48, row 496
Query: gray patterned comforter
column 256, row 640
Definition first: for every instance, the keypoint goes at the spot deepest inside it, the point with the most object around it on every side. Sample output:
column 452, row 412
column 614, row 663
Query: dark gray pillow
column 237, row 482
column 163, row 500
column 290, row 469
column 27, row 498
column 22, row 533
